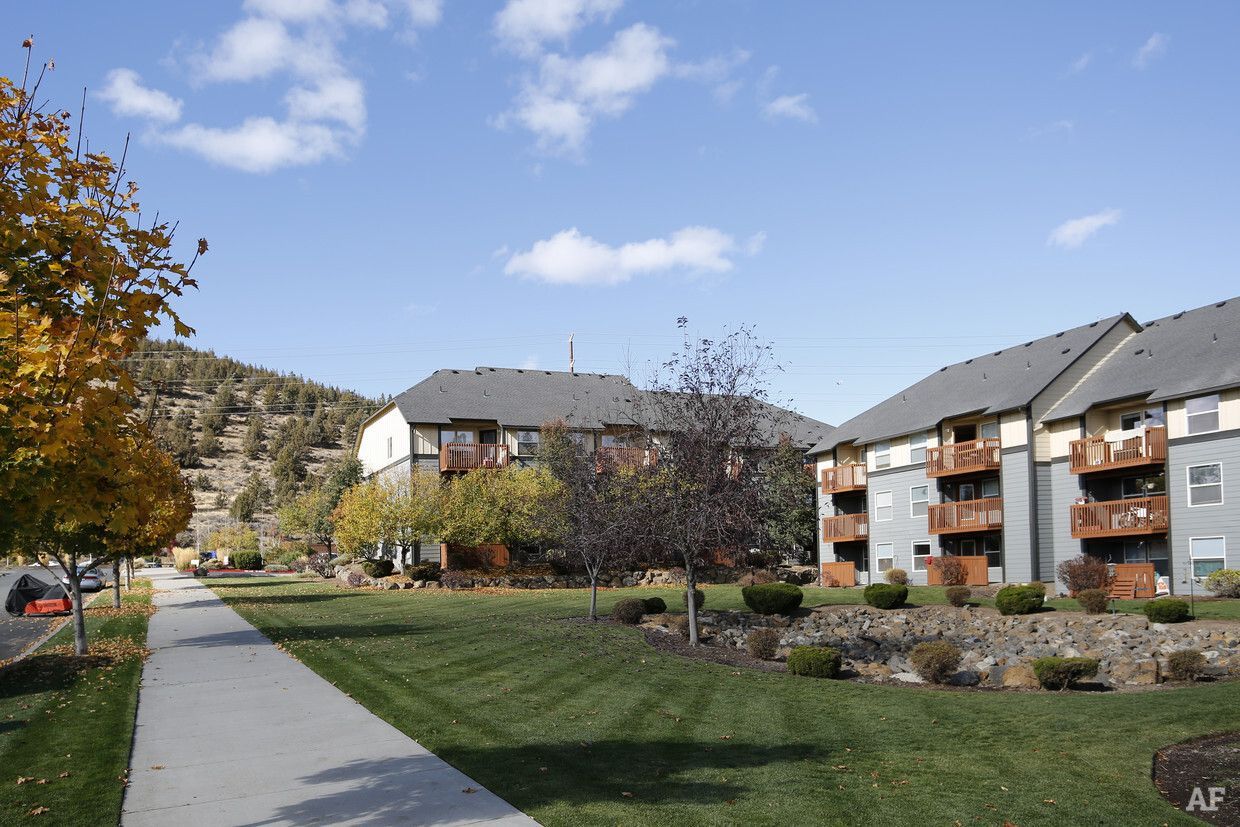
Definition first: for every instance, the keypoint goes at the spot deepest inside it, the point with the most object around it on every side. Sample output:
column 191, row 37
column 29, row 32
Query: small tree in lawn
column 412, row 508
column 358, row 519
column 309, row 515
column 708, row 406
column 596, row 504
column 787, row 499
column 505, row 506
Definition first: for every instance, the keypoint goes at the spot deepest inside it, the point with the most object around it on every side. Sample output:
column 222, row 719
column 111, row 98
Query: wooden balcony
column 1121, row 518
column 1097, row 453
column 625, row 457
column 845, row 528
column 967, row 515
column 963, row 457
column 466, row 456
column 841, row 478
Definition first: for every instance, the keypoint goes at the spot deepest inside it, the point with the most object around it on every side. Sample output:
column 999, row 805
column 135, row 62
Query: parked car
column 91, row 579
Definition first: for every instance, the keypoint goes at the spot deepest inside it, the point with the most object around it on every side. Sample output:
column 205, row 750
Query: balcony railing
column 1120, row 518
column 840, row 478
column 963, row 457
column 466, row 456
column 845, row 528
column 967, row 515
column 1097, row 453
column 625, row 457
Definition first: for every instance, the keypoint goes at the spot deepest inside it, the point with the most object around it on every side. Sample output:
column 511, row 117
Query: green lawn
column 58, row 715
column 576, row 723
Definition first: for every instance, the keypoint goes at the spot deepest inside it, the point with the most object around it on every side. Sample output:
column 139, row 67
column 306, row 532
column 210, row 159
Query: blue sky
column 393, row 186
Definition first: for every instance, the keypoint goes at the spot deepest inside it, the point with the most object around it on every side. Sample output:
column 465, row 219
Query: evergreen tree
column 209, row 444
column 255, row 437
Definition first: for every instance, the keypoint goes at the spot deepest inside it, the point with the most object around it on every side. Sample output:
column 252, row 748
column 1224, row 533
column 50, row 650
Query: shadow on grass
column 46, row 673
column 420, row 790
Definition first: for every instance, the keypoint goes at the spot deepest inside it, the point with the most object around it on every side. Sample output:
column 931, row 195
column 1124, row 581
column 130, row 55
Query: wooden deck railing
column 1120, row 518
column 625, row 457
column 845, row 528
column 465, row 456
column 1097, row 453
column 977, row 572
column 968, row 515
column 962, row 457
column 839, row 574
column 840, row 478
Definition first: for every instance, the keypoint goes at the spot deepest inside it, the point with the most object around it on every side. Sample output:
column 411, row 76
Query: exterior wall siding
column 1204, row 520
column 1055, row 532
column 903, row 529
column 372, row 442
column 1017, row 540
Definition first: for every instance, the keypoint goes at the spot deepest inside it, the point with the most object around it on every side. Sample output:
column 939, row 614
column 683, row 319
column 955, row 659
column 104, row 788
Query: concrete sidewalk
column 279, row 744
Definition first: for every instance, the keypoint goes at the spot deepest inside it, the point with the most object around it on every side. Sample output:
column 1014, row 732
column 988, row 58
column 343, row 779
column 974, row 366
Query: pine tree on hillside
column 255, row 437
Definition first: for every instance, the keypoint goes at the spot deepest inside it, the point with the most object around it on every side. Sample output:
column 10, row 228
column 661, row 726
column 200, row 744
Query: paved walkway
column 279, row 744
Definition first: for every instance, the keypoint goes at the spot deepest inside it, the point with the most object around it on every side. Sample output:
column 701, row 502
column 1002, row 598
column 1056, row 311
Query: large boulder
column 1019, row 676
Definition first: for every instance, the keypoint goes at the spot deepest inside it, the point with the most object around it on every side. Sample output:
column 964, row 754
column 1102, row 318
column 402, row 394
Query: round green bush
column 958, row 595
column 1167, row 610
column 1061, row 673
column 629, row 610
column 935, row 660
column 375, row 569
column 762, row 643
column 655, row 605
column 423, row 571
column 773, row 598
column 699, row 598
column 814, row 662
column 248, row 560
column 1224, row 582
column 1020, row 600
column 1093, row 601
column 885, row 595
column 897, row 576
column 1186, row 665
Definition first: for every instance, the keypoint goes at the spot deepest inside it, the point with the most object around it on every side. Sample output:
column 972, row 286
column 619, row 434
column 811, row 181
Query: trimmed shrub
column 1061, row 673
column 773, row 598
column 628, row 611
column 756, row 578
column 1167, row 610
column 375, row 569
column 814, row 662
column 951, row 571
column 1186, row 665
column 212, row 564
column 935, row 660
column 699, row 598
column 898, row 577
column 958, row 595
column 1224, row 582
column 762, row 643
column 423, row 571
column 1020, row 600
column 655, row 605
column 885, row 595
column 1093, row 601
column 1082, row 572
column 679, row 624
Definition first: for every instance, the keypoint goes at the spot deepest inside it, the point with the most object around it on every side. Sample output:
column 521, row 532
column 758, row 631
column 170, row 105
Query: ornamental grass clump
column 1093, row 601
column 762, row 643
column 935, row 660
column 1186, row 665
column 958, row 596
column 897, row 577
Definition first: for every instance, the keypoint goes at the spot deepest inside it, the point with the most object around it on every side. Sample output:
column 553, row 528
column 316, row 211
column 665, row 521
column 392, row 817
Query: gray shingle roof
column 518, row 398
column 1196, row 351
column 992, row 383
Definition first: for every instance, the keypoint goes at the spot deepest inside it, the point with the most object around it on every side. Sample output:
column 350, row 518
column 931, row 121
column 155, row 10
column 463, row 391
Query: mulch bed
column 675, row 644
column 1212, row 761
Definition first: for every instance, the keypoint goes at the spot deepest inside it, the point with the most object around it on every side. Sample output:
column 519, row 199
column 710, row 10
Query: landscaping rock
column 1020, row 677
column 908, row 677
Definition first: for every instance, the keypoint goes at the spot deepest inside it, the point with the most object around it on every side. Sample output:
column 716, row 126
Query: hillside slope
column 238, row 427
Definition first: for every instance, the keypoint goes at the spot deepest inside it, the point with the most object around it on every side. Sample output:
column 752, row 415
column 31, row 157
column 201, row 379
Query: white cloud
column 339, row 99
column 1080, row 64
column 523, row 26
column 370, row 13
column 253, row 48
column 1053, row 128
column 259, row 144
column 125, row 92
column 1153, row 48
column 1072, row 234
column 755, row 243
column 569, row 257
column 423, row 13
column 795, row 107
column 297, row 11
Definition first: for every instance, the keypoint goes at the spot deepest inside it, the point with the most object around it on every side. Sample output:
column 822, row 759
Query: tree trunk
column 79, row 617
column 690, row 588
column 594, row 596
column 116, row 583
column 417, row 552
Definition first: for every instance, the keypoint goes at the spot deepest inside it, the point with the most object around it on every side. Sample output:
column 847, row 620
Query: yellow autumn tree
column 508, row 506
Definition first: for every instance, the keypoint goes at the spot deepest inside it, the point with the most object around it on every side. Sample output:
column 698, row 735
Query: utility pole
column 572, row 363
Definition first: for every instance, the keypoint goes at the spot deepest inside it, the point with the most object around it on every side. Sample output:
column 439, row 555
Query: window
column 882, row 454
column 1148, row 418
column 615, row 441
column 1202, row 414
column 990, row 430
column 1152, row 485
column 918, row 500
column 1207, row 554
column 992, row 547
column 1205, row 484
column 527, row 443
column 921, row 553
column 577, row 438
column 883, row 510
column 389, row 447
column 450, row 435
column 917, row 448
column 990, row 487
column 886, row 556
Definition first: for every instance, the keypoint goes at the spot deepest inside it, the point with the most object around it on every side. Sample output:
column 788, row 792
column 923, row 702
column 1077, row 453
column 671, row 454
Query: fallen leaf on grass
column 64, row 774
column 38, row 811
column 627, row 794
column 1048, row 801
column 21, row 779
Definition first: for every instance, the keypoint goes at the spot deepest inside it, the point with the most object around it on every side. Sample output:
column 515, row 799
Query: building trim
column 390, row 465
column 1193, row 439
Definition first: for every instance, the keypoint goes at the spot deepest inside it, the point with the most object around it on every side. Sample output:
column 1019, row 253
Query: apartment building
column 457, row 420
column 1019, row 459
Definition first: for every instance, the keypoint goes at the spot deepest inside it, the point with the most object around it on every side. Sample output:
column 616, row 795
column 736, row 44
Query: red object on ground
column 48, row 607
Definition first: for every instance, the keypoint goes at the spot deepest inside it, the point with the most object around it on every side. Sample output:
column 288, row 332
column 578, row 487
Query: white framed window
column 1202, row 414
column 527, row 443
column 992, row 547
column 389, row 447
column 990, row 487
column 921, row 553
column 882, row 454
column 1148, row 418
column 1205, row 484
column 918, row 500
column 917, row 448
column 447, row 435
column 1207, row 554
column 883, row 510
column 885, row 554
column 990, row 430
